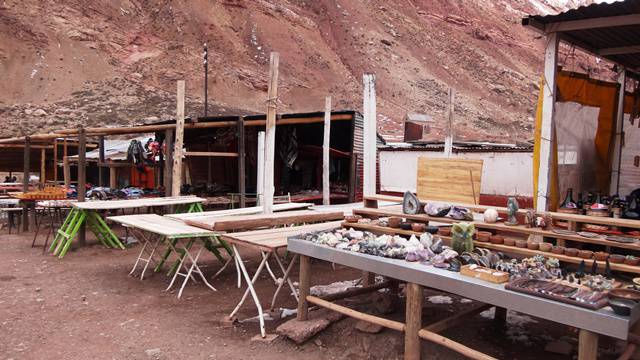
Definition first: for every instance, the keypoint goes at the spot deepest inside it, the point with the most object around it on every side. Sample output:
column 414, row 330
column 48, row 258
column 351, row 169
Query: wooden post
column 326, row 146
column 303, row 287
column 82, row 178
column 113, row 178
column 368, row 278
column 101, row 161
column 448, row 140
column 25, row 181
column 413, row 322
column 272, row 103
column 55, row 161
column 177, row 149
column 168, row 162
column 241, row 160
column 546, row 131
column 500, row 315
column 370, row 150
column 66, row 171
column 587, row 345
column 43, row 167
column 618, row 139
column 260, row 172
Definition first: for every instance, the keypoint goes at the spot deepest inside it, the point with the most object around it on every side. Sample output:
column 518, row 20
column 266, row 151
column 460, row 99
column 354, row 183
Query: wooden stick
column 473, row 189
column 25, row 181
column 260, row 171
column 453, row 345
column 326, row 144
column 303, row 287
column 241, row 162
column 357, row 291
column 390, row 324
column 448, row 140
column 457, row 318
column 272, row 103
column 82, row 179
column 177, row 149
column 413, row 321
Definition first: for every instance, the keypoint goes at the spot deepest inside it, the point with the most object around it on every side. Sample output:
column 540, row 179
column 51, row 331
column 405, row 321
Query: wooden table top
column 161, row 225
column 256, row 221
column 137, row 203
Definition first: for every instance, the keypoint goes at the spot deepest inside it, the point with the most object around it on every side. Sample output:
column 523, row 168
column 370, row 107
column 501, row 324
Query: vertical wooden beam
column 66, row 172
column 500, row 316
column 260, row 171
column 25, row 181
column 413, row 322
column 82, row 178
column 618, row 142
column 303, row 287
column 241, row 162
column 101, row 161
column 168, row 161
column 43, row 168
column 209, row 165
column 55, row 161
column 587, row 345
column 546, row 131
column 326, row 146
column 113, row 177
column 370, row 150
column 448, row 140
column 177, row 149
column 272, row 103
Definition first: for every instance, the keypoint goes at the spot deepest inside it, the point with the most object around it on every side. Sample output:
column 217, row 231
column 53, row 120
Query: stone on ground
column 301, row 331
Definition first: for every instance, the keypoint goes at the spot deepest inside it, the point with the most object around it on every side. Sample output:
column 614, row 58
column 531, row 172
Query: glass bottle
column 568, row 202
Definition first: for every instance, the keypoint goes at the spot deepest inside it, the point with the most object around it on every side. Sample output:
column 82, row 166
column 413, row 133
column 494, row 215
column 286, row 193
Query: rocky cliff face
column 71, row 62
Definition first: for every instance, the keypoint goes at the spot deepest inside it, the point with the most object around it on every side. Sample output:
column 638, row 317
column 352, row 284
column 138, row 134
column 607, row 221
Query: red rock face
column 117, row 62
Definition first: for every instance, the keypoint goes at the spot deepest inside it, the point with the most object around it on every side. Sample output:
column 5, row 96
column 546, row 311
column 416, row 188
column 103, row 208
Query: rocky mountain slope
column 71, row 62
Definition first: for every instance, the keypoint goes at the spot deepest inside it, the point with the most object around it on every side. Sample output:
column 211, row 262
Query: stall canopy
column 591, row 146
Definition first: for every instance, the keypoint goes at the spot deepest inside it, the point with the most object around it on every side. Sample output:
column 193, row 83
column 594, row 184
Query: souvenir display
column 462, row 237
column 411, row 204
column 512, row 211
column 484, row 273
column 490, row 216
column 550, row 289
column 437, row 210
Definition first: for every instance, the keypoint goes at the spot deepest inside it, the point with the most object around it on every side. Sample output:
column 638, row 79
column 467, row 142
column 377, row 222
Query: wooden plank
column 413, row 321
column 546, row 128
column 82, row 179
column 369, row 133
column 457, row 318
column 241, row 211
column 241, row 162
column 304, row 283
column 326, row 145
column 584, row 219
column 390, row 324
column 210, row 153
column 272, row 104
column 456, row 180
column 448, row 140
column 260, row 171
column 137, row 203
column 43, row 166
column 161, row 225
column 176, row 175
column 246, row 222
column 587, row 345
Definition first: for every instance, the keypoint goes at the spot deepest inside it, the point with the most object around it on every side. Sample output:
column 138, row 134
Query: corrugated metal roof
column 595, row 39
column 457, row 147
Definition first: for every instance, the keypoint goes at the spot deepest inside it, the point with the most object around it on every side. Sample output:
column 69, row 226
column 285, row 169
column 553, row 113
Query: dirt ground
column 85, row 306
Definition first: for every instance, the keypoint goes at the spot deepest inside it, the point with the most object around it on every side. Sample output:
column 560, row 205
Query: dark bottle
column 598, row 199
column 568, row 200
column 580, row 204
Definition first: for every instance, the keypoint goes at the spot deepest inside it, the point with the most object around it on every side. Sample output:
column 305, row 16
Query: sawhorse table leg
column 190, row 270
column 587, row 345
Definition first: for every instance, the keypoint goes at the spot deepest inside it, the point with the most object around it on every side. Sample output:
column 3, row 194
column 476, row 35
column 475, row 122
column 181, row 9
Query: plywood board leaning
column 449, row 180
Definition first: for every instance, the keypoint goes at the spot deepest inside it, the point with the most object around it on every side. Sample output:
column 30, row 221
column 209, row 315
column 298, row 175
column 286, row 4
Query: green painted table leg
column 166, row 254
column 74, row 231
column 181, row 254
column 106, row 232
column 195, row 207
column 63, row 228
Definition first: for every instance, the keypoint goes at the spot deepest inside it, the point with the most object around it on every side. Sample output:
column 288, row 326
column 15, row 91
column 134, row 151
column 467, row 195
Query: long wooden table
column 88, row 212
column 268, row 242
column 591, row 323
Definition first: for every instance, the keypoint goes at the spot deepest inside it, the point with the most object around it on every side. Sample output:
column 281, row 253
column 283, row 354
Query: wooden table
column 268, row 242
column 591, row 323
column 89, row 212
column 155, row 230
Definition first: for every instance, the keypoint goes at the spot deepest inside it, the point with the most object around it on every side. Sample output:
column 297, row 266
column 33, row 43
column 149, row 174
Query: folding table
column 268, row 242
column 88, row 212
column 154, row 230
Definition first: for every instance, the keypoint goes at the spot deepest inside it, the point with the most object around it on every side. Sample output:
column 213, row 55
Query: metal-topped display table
column 591, row 323
column 89, row 212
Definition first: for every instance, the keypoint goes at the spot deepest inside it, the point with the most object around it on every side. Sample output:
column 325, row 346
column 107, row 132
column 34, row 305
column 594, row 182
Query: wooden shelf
column 498, row 247
column 584, row 219
column 519, row 229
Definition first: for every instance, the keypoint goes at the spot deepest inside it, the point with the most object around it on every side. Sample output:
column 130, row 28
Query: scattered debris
column 301, row 331
column 440, row 299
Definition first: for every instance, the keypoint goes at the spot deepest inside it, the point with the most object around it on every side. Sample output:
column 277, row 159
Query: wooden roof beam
column 620, row 50
column 593, row 23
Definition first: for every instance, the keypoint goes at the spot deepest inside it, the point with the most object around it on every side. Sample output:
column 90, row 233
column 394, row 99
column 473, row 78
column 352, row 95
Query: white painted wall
column 503, row 173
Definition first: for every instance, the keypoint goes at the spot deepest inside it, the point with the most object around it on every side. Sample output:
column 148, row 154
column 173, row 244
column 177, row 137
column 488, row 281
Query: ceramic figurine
column 541, row 222
column 512, row 210
column 462, row 237
column 490, row 216
column 530, row 219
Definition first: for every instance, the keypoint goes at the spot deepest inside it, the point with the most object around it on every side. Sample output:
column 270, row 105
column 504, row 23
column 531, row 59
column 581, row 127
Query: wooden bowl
column 601, row 255
column 546, row 247
column 445, row 231
column 483, row 236
column 585, row 254
column 496, row 239
column 571, row 251
column 405, row 226
column 626, row 294
column 616, row 258
column 521, row 243
column 558, row 250
column 509, row 241
column 631, row 260
column 352, row 218
column 418, row 227
column 394, row 221
column 533, row 245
